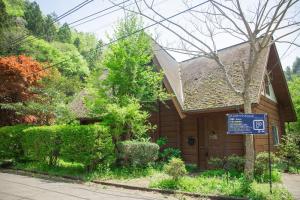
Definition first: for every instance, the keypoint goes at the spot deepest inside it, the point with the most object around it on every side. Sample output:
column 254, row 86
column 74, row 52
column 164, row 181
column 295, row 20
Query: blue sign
column 246, row 123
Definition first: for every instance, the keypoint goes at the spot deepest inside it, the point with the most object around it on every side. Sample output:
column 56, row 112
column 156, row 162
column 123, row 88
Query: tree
column 294, row 87
column 296, row 66
column 17, row 75
column 3, row 14
column 129, row 64
column 14, row 7
column 49, row 32
column 11, row 29
column 256, row 27
column 34, row 18
column 288, row 73
column 127, row 84
column 77, row 43
column 64, row 33
column 54, row 53
column 50, row 104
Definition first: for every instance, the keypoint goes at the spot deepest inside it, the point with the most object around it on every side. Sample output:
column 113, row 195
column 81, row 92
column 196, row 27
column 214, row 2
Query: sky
column 104, row 26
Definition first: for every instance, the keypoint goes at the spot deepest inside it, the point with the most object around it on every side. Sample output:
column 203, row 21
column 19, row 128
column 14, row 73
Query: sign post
column 254, row 124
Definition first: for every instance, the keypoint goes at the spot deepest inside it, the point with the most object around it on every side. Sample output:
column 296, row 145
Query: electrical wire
column 69, row 12
column 126, row 36
column 86, row 18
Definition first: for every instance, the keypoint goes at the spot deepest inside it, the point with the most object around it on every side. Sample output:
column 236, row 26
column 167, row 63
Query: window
column 275, row 135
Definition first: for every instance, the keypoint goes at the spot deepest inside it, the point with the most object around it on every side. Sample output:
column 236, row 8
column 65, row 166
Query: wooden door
column 215, row 134
column 202, row 143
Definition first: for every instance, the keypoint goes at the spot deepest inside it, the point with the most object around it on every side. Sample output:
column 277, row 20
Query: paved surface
column 292, row 183
column 17, row 187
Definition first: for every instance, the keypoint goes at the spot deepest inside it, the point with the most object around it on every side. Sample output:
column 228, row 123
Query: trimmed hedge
column 10, row 142
column 42, row 143
column 87, row 144
column 137, row 153
column 90, row 145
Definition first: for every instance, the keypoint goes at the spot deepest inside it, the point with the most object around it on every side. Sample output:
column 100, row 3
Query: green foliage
column 10, row 142
column 50, row 105
column 218, row 185
column 84, row 41
column 175, row 168
column 91, row 145
column 34, row 18
column 127, row 120
column 70, row 62
column 167, row 153
column 229, row 163
column 161, row 142
column 289, row 151
column 3, row 14
column 296, row 66
column 49, row 28
column 61, row 169
column 294, row 88
column 235, row 163
column 11, row 29
column 42, row 143
column 130, row 72
column 75, row 64
column 261, row 192
column 64, row 34
column 216, row 163
column 288, row 73
column 261, row 169
column 136, row 153
column 14, row 7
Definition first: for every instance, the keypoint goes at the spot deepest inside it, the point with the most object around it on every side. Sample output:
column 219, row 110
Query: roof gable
column 204, row 85
column 280, row 86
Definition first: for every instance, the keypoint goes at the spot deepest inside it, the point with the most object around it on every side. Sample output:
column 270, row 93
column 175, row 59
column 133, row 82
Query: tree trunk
column 249, row 145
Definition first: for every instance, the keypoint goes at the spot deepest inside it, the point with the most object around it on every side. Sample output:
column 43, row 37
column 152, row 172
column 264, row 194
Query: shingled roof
column 200, row 84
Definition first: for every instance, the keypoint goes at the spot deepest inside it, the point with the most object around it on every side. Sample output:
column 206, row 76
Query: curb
column 80, row 180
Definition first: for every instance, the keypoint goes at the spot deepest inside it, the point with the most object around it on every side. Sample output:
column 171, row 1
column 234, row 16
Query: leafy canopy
column 127, row 83
column 129, row 64
column 294, row 87
column 71, row 63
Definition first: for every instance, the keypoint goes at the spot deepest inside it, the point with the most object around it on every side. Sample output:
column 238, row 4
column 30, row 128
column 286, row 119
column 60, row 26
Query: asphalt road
column 17, row 187
column 292, row 183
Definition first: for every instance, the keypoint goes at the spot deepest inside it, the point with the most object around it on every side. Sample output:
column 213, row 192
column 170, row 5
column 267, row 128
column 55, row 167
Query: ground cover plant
column 87, row 152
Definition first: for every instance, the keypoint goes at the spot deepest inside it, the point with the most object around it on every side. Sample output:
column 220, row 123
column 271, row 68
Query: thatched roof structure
column 199, row 84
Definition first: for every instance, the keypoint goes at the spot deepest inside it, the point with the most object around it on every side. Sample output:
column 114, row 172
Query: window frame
column 277, row 141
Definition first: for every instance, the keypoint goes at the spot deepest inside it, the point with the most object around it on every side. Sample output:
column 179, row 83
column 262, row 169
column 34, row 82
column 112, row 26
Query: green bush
column 289, row 152
column 136, row 153
column 42, row 143
column 235, row 163
column 166, row 153
column 229, row 163
column 261, row 170
column 10, row 142
column 175, row 168
column 216, row 163
column 88, row 144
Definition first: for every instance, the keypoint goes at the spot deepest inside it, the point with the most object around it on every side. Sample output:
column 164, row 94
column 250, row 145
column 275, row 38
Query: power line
column 87, row 17
column 111, row 23
column 74, row 9
column 126, row 36
column 97, row 13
